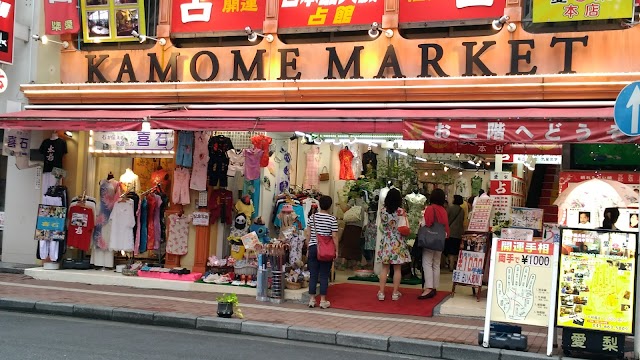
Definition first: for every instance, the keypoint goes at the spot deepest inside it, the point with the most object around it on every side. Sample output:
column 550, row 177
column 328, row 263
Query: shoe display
column 224, row 279
column 325, row 304
column 396, row 296
column 380, row 296
column 211, row 278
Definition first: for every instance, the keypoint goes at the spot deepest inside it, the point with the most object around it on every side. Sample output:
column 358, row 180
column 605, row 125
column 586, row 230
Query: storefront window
column 116, row 20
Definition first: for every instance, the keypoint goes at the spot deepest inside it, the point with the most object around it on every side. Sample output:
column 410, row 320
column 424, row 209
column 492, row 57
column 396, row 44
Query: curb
column 397, row 345
column 11, row 268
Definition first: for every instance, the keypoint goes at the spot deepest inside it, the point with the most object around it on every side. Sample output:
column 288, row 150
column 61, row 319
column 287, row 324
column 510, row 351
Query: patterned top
column 393, row 247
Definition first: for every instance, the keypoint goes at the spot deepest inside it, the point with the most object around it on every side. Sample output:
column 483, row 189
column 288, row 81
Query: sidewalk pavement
column 439, row 336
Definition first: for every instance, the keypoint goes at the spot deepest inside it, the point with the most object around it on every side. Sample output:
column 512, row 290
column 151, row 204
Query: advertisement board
column 50, row 223
column 481, row 214
column 469, row 268
column 328, row 13
column 579, row 10
column 421, row 11
column 596, row 288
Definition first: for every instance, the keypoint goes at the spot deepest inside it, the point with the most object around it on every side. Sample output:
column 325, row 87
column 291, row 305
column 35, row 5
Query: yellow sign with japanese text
column 597, row 280
column 577, row 10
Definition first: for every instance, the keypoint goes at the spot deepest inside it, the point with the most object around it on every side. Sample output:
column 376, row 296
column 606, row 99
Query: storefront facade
column 348, row 87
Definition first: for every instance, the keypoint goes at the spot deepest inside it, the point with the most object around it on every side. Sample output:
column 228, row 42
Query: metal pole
column 487, row 315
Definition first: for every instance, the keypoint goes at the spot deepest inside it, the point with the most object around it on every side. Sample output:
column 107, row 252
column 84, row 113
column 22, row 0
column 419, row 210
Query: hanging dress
column 346, row 172
column 311, row 176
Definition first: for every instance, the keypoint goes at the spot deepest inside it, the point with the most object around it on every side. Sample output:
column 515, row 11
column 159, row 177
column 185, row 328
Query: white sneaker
column 396, row 296
column 380, row 296
column 325, row 304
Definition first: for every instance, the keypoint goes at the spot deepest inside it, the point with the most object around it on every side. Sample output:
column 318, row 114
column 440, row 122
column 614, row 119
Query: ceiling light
column 68, row 133
column 143, row 38
column 253, row 36
column 400, row 152
column 299, row 133
column 433, row 174
column 499, row 23
column 375, row 29
column 44, row 39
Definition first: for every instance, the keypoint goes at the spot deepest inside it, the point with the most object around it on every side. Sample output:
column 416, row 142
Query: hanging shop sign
column 507, row 150
column 568, row 131
column 196, row 16
column 328, row 13
column 597, row 280
column 16, row 142
column 421, row 11
column 567, row 177
column 521, row 274
column 333, row 62
column 7, row 22
column 61, row 17
column 579, row 10
column 50, row 223
column 528, row 218
column 469, row 268
column 152, row 140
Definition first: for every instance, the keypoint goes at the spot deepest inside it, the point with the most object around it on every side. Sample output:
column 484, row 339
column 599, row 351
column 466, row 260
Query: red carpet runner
column 360, row 297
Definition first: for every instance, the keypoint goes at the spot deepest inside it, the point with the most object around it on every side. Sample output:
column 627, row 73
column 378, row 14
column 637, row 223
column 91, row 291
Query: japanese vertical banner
column 7, row 18
column 61, row 17
column 521, row 293
column 578, row 10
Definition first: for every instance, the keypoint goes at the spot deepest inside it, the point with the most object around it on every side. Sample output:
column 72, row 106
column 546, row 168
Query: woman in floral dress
column 393, row 249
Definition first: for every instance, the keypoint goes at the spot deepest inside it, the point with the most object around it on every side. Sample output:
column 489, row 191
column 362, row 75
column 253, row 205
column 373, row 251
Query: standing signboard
column 472, row 262
column 519, row 291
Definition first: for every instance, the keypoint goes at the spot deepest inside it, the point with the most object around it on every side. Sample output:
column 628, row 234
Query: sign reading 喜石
column 7, row 22
column 152, row 140
column 195, row 16
column 16, row 142
column 580, row 10
column 527, row 218
column 597, row 280
column 325, row 13
column 50, row 223
column 469, row 268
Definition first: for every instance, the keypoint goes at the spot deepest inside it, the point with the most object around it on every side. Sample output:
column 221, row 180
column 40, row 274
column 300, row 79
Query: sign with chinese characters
column 480, row 215
column 507, row 150
column 567, row 131
column 550, row 232
column 594, row 342
column 540, row 159
column 7, row 22
column 16, row 142
column 200, row 218
column 501, row 193
column 152, row 140
column 61, row 17
column 199, row 16
column 566, row 177
column 597, row 280
column 50, row 223
column 469, row 268
column 323, row 13
column 516, row 234
column 579, row 10
column 420, row 11
column 527, row 218
column 521, row 274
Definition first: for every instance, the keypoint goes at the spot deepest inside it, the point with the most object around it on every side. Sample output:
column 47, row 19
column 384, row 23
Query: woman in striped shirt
column 325, row 224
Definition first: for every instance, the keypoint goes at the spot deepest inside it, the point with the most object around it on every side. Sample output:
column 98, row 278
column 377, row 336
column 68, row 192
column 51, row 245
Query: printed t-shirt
column 53, row 151
column 80, row 227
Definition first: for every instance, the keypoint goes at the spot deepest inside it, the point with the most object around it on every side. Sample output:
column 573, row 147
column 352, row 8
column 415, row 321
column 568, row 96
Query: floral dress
column 393, row 247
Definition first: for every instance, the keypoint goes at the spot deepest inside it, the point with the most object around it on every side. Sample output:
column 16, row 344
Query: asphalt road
column 42, row 337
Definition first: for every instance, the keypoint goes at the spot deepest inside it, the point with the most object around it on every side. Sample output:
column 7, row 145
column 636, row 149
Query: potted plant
column 228, row 305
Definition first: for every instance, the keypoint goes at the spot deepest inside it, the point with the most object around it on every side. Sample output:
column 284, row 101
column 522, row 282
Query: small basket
column 293, row 285
column 246, row 270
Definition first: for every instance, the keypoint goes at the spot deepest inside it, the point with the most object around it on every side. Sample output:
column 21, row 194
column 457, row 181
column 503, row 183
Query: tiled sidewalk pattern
column 438, row 328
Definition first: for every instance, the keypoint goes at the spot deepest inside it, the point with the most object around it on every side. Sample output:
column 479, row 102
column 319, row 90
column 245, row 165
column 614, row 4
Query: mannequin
column 130, row 181
column 53, row 149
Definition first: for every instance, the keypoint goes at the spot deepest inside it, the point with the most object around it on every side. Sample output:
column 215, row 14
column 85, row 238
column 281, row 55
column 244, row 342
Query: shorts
column 180, row 193
column 184, row 155
column 49, row 249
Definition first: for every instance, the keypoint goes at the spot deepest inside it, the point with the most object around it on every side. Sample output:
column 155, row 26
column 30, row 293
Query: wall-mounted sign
column 583, row 131
column 324, row 13
column 61, row 17
column 481, row 215
column 152, row 140
column 200, row 218
column 439, row 147
column 199, row 16
column 7, row 18
column 16, row 142
column 579, row 10
column 566, row 177
column 420, row 11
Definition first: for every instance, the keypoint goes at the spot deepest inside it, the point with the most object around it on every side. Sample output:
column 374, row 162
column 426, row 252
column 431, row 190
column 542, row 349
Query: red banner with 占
column 61, row 17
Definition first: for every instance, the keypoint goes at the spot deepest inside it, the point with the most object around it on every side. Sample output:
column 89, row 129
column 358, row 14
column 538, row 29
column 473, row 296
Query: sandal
column 396, row 296
column 380, row 296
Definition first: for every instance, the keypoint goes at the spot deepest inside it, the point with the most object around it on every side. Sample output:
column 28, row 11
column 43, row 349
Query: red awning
column 77, row 120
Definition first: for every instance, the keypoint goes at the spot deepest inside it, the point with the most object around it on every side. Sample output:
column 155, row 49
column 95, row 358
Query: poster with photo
column 628, row 220
column 597, row 280
column 583, row 218
column 50, row 223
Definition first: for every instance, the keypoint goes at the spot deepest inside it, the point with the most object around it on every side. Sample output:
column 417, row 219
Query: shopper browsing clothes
column 393, row 248
column 431, row 258
column 325, row 224
column 456, row 215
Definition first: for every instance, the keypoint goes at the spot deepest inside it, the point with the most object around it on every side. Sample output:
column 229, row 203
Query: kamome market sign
column 206, row 65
